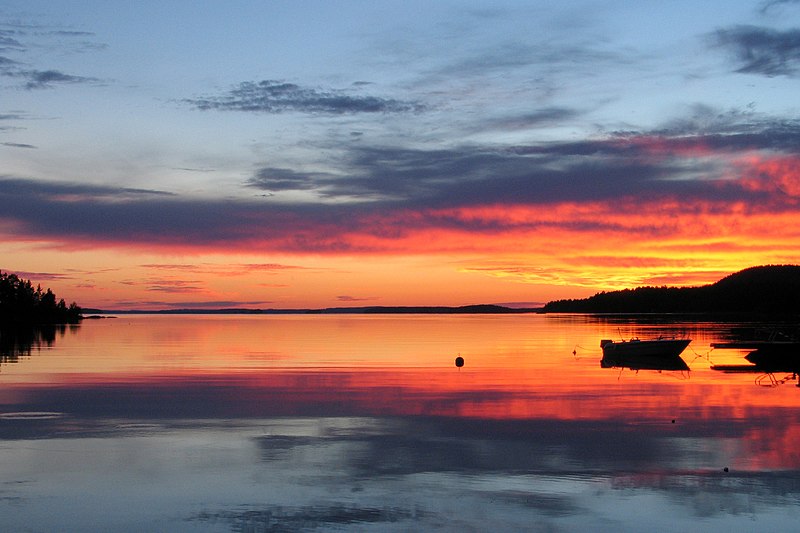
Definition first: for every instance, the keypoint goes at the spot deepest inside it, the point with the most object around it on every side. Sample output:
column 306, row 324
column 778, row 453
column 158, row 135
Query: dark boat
column 644, row 348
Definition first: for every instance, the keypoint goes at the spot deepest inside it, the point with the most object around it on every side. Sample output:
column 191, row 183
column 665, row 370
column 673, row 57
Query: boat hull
column 647, row 348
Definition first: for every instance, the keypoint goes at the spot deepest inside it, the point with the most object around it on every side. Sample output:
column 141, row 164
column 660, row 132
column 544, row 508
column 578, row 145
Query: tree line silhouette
column 771, row 289
column 21, row 304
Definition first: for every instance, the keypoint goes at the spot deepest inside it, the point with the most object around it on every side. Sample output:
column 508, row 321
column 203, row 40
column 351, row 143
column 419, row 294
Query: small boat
column 648, row 348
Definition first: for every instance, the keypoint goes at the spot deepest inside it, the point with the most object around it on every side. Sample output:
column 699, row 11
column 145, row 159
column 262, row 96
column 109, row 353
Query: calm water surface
column 284, row 423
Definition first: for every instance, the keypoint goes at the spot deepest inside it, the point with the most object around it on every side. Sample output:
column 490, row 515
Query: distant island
column 760, row 290
column 771, row 289
column 22, row 305
column 367, row 310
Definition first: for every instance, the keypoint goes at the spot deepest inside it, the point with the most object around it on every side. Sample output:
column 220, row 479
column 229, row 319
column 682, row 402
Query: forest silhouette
column 22, row 305
column 771, row 289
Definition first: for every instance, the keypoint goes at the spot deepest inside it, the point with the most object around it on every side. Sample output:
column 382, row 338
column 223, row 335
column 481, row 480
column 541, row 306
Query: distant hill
column 772, row 289
column 386, row 310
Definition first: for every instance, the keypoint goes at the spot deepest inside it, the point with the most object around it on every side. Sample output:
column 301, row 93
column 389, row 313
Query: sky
column 296, row 154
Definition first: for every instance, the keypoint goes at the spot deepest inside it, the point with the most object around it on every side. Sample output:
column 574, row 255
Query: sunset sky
column 292, row 154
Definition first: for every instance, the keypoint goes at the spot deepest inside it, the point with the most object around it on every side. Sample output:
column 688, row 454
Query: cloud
column 18, row 145
column 205, row 304
column 24, row 38
column 681, row 159
column 273, row 96
column 9, row 42
column 227, row 270
column 41, row 79
column 284, row 179
column 547, row 116
column 347, row 298
column 61, row 191
column 42, row 276
column 661, row 184
column 771, row 5
column 761, row 50
column 175, row 286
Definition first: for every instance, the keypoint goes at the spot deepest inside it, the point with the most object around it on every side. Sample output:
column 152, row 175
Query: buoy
column 459, row 361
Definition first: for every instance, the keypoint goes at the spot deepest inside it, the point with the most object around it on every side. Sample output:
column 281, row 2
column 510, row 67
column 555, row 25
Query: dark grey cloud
column 283, row 179
column 272, row 96
column 664, row 161
column 41, row 79
column 18, row 145
column 348, row 298
column 542, row 117
column 759, row 50
column 9, row 41
column 579, row 171
column 45, row 189
column 772, row 6
column 21, row 39
column 547, row 61
column 378, row 191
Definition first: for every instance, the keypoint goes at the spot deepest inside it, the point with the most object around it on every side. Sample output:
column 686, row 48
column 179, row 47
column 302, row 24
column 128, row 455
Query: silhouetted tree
column 20, row 303
column 771, row 289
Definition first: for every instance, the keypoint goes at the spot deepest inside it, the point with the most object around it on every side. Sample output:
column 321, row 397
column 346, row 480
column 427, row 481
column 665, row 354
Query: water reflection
column 644, row 362
column 768, row 352
column 19, row 341
column 320, row 423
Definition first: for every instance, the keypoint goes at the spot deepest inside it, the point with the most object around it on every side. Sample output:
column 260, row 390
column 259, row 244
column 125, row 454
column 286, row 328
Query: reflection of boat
column 647, row 348
column 765, row 351
column 778, row 352
column 766, row 357
column 767, row 372
column 644, row 362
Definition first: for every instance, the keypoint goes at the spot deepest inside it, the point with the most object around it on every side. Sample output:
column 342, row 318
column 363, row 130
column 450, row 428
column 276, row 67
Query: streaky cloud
column 772, row 5
column 18, row 145
column 542, row 117
column 41, row 79
column 671, row 161
column 760, row 50
column 7, row 42
column 378, row 197
column 273, row 96
column 36, row 188
column 275, row 179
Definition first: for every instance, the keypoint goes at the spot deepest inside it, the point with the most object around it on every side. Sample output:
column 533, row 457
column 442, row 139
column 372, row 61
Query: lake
column 363, row 422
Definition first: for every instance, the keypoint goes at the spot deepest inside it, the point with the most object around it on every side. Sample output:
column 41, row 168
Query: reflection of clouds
column 316, row 473
column 414, row 445
column 719, row 493
column 612, row 457
column 360, row 438
column 282, row 518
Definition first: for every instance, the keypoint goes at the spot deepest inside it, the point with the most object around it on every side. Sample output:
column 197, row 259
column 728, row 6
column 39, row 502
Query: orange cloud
column 776, row 174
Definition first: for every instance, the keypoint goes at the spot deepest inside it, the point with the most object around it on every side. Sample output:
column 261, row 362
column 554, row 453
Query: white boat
column 645, row 348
